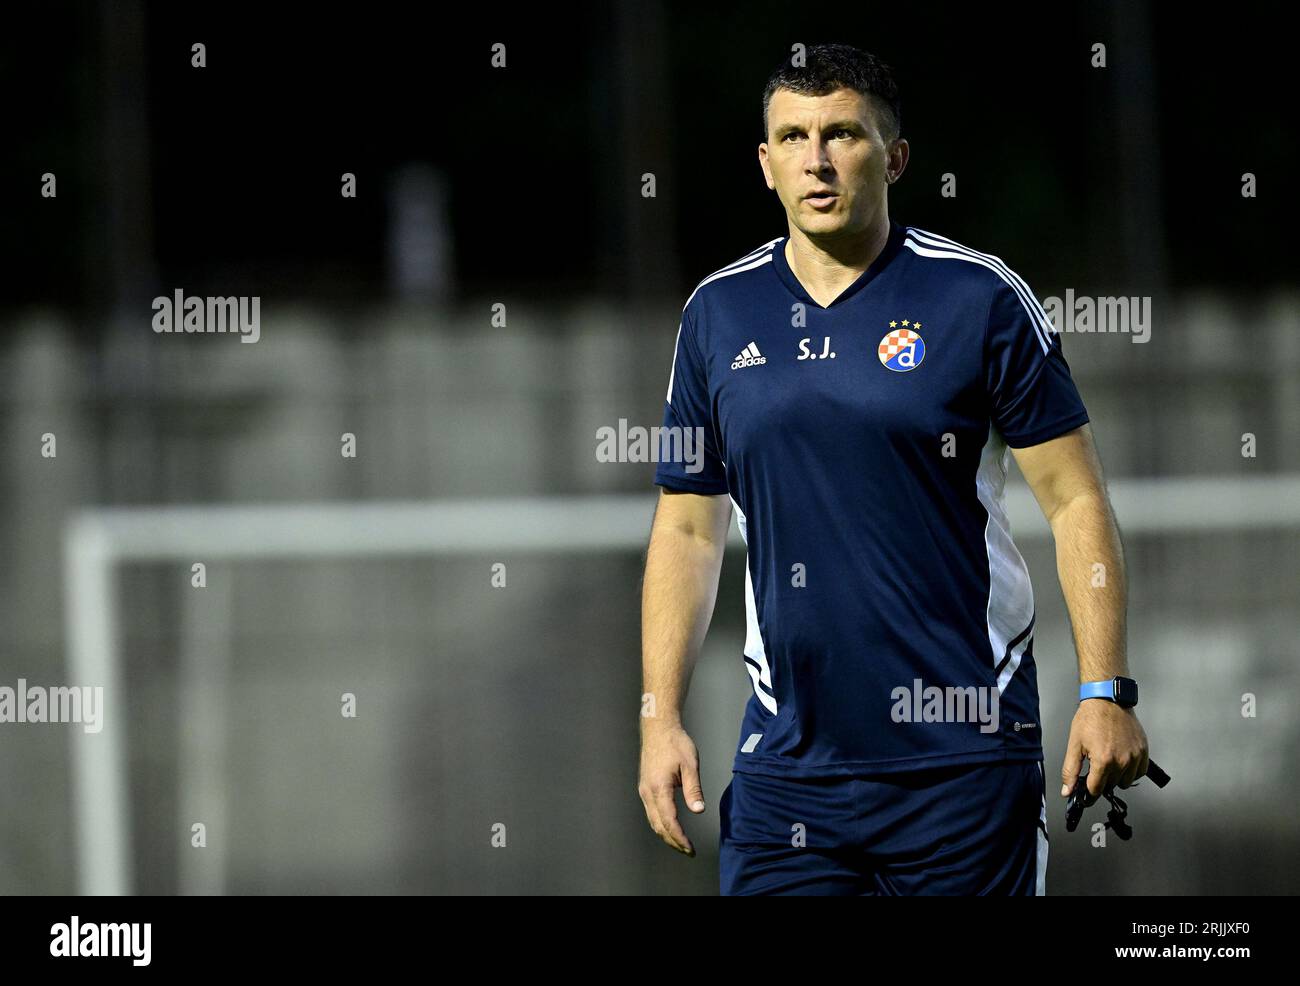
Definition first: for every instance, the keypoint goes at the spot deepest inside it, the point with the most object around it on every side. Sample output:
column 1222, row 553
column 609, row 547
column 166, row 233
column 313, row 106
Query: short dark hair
column 828, row 67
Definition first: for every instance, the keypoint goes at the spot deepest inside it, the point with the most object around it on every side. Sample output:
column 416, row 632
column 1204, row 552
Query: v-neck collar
column 892, row 245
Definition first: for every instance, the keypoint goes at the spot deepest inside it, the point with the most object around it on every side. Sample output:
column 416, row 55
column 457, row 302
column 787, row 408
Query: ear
column 898, row 156
column 763, row 163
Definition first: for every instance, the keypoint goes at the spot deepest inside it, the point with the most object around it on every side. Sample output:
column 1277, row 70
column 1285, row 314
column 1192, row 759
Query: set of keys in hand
column 1116, row 818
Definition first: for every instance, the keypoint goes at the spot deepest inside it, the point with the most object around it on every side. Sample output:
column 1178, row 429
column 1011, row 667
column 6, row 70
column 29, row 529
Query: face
column 831, row 144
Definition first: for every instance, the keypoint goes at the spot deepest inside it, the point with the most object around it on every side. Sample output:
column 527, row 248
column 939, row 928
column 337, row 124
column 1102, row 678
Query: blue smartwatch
column 1122, row 691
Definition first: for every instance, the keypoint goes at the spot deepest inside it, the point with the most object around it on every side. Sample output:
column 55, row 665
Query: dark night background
column 235, row 167
column 522, row 186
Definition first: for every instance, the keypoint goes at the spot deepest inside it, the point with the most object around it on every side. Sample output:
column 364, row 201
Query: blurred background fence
column 515, row 704
column 481, row 705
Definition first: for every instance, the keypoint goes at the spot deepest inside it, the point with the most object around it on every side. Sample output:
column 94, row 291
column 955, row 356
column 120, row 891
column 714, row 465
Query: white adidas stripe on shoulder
column 927, row 244
column 755, row 258
column 673, row 372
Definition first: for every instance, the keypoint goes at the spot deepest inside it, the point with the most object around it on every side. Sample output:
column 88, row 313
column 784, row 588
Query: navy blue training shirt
column 864, row 446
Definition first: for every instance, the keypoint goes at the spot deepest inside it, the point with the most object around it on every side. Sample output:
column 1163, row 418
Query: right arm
column 687, row 540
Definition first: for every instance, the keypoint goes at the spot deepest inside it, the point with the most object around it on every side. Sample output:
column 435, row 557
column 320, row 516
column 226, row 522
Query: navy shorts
column 966, row 830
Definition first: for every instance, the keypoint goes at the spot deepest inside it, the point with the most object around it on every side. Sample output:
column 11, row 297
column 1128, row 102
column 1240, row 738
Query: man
column 856, row 386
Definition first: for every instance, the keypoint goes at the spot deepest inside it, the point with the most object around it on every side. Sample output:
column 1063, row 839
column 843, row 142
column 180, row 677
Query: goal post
column 97, row 542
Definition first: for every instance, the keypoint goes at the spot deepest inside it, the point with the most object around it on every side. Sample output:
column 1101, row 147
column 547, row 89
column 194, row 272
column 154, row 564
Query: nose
column 818, row 159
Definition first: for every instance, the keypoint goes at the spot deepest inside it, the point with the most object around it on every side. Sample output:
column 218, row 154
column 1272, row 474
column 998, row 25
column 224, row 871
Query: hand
column 669, row 760
column 1113, row 741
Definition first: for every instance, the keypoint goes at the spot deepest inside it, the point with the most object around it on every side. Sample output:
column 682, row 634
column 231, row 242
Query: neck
column 856, row 251
column 827, row 265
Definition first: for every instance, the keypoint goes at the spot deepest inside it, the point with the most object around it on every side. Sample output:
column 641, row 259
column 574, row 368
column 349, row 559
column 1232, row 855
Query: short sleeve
column 688, row 459
column 1031, row 394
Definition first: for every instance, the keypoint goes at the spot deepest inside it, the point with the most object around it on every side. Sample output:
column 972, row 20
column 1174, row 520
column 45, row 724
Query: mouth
column 821, row 199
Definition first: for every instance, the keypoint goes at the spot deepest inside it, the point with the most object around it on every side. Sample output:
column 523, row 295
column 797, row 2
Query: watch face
column 1126, row 692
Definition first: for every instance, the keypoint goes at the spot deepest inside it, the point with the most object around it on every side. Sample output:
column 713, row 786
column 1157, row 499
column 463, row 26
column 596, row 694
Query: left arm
column 1065, row 476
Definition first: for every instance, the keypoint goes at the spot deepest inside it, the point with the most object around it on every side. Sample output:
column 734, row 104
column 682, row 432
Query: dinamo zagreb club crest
column 902, row 349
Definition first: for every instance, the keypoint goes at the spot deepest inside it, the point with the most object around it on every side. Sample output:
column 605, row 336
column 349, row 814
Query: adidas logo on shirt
column 749, row 356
